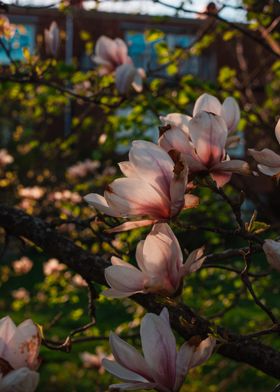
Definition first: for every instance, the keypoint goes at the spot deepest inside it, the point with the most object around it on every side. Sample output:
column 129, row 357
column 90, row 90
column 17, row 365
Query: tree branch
column 91, row 267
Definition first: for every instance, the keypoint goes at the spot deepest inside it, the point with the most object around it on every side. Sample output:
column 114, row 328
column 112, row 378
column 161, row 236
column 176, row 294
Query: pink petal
column 265, row 157
column 160, row 258
column 134, row 197
column 20, row 380
column 194, row 261
column 131, row 225
column 209, row 134
column 183, row 364
column 221, row 178
column 106, row 48
column 121, row 51
column 178, row 187
column 152, row 163
column 175, row 139
column 234, row 166
column 207, row 103
column 7, row 331
column 272, row 251
column 177, row 120
column 124, row 279
column 130, row 358
column 277, row 131
column 122, row 372
column 100, row 203
column 117, row 261
column 159, row 347
column 125, row 75
column 133, row 386
column 203, row 352
column 269, row 171
column 128, row 169
column 231, row 113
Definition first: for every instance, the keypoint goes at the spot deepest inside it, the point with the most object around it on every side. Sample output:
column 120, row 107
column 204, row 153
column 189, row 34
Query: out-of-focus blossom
column 112, row 56
column 19, row 350
column 82, row 169
column 202, row 140
column 268, row 160
column 5, row 158
column 52, row 39
column 65, row 195
column 162, row 368
column 95, row 360
column 110, row 53
column 160, row 261
column 21, row 294
column 272, row 251
column 53, row 266
column 7, row 30
column 22, row 266
column 34, row 192
column 78, row 281
column 154, row 188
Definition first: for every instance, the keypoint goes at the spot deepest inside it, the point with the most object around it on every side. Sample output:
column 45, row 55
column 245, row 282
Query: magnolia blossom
column 154, row 187
column 52, row 39
column 160, row 261
column 229, row 110
column 272, row 251
column 112, row 56
column 202, row 141
column 22, row 266
column 53, row 266
column 95, row 360
column 162, row 367
column 269, row 161
column 19, row 350
column 82, row 169
column 5, row 158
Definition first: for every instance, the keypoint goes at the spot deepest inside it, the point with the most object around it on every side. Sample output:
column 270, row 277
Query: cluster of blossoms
column 112, row 56
column 156, row 186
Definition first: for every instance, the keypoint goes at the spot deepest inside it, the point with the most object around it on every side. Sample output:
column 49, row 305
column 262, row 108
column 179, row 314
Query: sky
column 146, row 6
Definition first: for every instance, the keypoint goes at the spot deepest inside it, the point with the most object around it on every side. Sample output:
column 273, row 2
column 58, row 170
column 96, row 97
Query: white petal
column 203, row 352
column 131, row 225
column 7, row 330
column 177, row 120
column 269, row 171
column 159, row 347
column 277, row 131
column 234, row 166
column 194, row 261
column 182, row 364
column 207, row 103
column 100, row 203
column 209, row 134
column 271, row 249
column 120, row 371
column 231, row 113
column 152, row 164
column 265, row 157
column 127, row 356
column 134, row 197
column 125, row 279
column 20, row 380
column 132, row 386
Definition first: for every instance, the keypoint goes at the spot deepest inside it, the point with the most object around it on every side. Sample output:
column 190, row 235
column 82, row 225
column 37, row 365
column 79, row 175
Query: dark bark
column 91, row 267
